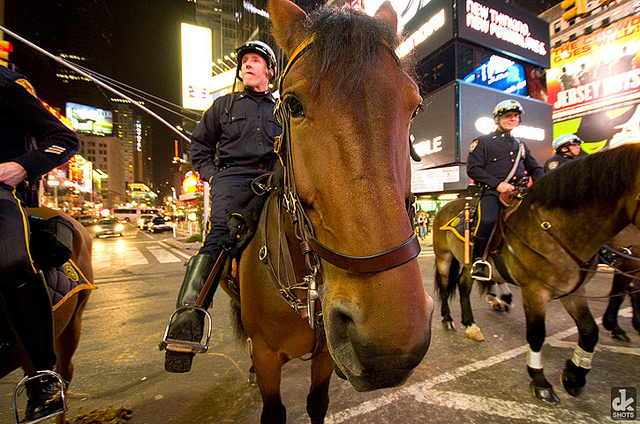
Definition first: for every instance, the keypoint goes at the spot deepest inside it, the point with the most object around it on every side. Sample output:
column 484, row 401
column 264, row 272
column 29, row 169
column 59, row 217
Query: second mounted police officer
column 495, row 162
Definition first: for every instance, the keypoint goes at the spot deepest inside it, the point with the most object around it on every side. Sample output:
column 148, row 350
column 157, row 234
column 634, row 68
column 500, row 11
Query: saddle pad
column 456, row 224
column 64, row 282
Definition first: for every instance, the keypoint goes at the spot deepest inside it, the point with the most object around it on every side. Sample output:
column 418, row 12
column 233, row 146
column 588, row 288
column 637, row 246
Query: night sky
column 146, row 40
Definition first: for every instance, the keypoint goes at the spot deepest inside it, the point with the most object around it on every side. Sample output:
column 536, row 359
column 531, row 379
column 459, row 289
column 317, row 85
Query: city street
column 459, row 380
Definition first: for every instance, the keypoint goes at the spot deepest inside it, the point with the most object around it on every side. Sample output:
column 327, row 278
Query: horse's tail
column 446, row 291
column 238, row 328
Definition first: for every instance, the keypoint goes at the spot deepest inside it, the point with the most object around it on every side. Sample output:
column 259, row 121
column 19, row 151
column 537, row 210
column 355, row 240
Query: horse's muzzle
column 375, row 353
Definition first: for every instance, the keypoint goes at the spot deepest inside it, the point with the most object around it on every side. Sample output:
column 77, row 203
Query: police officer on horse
column 232, row 144
column 33, row 142
column 496, row 162
column 567, row 147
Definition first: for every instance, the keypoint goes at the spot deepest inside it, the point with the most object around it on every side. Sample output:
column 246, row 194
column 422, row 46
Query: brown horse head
column 350, row 106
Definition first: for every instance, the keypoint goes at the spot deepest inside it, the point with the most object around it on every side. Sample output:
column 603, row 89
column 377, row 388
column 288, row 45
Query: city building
column 106, row 155
column 593, row 81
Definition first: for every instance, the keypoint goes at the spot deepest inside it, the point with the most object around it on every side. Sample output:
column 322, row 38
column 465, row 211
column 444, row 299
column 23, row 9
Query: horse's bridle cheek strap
column 383, row 261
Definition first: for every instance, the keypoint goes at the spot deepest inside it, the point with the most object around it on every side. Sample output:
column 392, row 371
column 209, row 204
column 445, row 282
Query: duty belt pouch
column 51, row 241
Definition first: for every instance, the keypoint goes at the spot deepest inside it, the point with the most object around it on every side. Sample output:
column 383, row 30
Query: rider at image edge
column 232, row 144
column 566, row 147
column 33, row 143
column 496, row 162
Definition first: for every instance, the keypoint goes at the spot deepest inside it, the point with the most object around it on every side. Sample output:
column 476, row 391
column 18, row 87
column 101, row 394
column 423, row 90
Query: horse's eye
column 293, row 104
column 416, row 111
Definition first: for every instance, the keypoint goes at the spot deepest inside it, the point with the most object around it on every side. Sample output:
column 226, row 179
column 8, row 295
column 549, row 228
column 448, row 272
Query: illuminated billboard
column 597, row 70
column 494, row 24
column 441, row 134
column 89, row 120
column 502, row 74
column 197, row 57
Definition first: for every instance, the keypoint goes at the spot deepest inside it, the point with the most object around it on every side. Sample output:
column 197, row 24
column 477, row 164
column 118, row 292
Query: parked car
column 145, row 220
column 160, row 224
column 108, row 227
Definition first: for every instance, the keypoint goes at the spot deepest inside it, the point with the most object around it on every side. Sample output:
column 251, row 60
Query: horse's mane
column 599, row 178
column 346, row 40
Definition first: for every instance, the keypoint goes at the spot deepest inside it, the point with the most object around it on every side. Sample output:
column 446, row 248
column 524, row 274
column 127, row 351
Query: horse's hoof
column 474, row 333
column 620, row 335
column 449, row 325
column 545, row 395
column 496, row 304
column 567, row 383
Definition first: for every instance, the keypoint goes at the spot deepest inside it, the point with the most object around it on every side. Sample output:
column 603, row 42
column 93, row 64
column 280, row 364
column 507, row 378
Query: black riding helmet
column 258, row 47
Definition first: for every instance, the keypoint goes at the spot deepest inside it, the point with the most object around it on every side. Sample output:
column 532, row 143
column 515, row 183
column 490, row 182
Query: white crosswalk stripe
column 121, row 254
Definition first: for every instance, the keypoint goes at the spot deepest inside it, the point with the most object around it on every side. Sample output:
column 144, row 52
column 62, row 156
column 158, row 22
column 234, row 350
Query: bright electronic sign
column 502, row 74
column 494, row 24
column 197, row 59
column 89, row 120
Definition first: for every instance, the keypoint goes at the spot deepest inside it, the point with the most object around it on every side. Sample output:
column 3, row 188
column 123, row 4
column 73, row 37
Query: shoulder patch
column 473, row 145
column 27, row 86
column 553, row 165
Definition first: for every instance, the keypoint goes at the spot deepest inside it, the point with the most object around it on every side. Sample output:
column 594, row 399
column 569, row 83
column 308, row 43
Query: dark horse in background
column 549, row 249
column 625, row 281
column 346, row 105
column 67, row 314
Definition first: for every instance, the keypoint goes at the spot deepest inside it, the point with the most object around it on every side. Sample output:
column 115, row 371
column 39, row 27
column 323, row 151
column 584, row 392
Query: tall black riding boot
column 481, row 269
column 188, row 324
column 29, row 305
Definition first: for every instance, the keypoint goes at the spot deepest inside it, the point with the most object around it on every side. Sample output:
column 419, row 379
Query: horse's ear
column 387, row 13
column 289, row 22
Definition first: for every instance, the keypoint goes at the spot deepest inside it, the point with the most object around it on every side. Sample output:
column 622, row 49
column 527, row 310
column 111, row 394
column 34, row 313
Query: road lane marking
column 162, row 255
column 424, row 392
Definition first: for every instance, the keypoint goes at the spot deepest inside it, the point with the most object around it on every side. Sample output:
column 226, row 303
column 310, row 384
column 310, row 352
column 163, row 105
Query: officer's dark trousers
column 23, row 289
column 224, row 187
column 489, row 210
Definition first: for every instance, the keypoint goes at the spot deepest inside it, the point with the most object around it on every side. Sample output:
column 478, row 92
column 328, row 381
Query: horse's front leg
column 574, row 374
column 268, row 366
column 318, row 398
column 465, row 284
column 610, row 317
column 535, row 307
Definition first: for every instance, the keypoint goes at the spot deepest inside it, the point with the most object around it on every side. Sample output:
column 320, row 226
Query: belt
column 265, row 165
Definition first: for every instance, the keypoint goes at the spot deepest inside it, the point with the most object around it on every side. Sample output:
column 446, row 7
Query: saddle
column 510, row 201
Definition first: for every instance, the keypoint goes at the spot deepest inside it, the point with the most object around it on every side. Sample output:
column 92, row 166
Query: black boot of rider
column 188, row 325
column 480, row 269
column 29, row 305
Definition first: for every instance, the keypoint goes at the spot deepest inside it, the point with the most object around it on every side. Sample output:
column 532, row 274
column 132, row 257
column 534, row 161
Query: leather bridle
column 312, row 249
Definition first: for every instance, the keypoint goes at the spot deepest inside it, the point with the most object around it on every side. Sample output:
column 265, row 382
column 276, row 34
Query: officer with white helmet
column 495, row 162
column 567, row 147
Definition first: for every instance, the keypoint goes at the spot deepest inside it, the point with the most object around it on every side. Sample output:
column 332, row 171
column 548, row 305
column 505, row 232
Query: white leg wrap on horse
column 534, row 359
column 582, row 358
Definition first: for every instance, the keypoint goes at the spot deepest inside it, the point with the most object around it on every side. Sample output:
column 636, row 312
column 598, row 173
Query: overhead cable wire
column 132, row 90
column 92, row 78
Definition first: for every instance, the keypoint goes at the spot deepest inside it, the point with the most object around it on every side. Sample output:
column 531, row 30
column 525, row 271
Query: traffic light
column 573, row 8
column 6, row 48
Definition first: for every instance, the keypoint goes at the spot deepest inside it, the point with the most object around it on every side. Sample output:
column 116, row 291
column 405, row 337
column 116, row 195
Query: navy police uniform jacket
column 492, row 156
column 244, row 135
column 555, row 161
column 22, row 118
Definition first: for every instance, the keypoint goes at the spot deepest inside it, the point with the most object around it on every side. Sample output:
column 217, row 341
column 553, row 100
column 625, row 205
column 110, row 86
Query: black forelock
column 346, row 41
